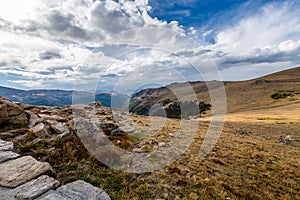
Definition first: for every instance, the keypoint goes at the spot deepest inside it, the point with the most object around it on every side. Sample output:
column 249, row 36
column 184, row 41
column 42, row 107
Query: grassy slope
column 252, row 96
column 254, row 166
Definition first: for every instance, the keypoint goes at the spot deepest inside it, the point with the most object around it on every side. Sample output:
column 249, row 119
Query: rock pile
column 24, row 177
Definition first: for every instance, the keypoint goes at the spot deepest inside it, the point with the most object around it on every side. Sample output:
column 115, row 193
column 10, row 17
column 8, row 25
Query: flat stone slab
column 78, row 190
column 7, row 155
column 16, row 172
column 6, row 146
column 29, row 190
column 36, row 187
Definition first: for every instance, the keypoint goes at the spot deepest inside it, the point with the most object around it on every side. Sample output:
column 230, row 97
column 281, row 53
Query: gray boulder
column 78, row 190
column 16, row 172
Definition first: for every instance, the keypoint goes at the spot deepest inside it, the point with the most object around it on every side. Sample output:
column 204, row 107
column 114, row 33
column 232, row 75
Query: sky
column 129, row 44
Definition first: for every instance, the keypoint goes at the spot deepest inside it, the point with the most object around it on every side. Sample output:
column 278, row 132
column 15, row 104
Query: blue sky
column 193, row 12
column 123, row 45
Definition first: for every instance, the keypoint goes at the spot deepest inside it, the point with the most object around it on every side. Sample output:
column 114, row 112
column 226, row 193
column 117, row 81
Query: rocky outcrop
column 11, row 113
column 24, row 177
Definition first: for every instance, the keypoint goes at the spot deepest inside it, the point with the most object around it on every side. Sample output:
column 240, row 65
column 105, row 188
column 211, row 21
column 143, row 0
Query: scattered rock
column 5, row 135
column 33, row 119
column 14, row 109
column 78, row 190
column 273, row 161
column 108, row 127
column 286, row 140
column 162, row 144
column 40, row 130
column 126, row 129
column 7, row 155
column 25, row 106
column 171, row 135
column 243, row 132
column 152, row 142
column 6, row 146
column 13, row 133
column 137, row 150
column 3, row 113
column 19, row 120
column 16, row 172
column 58, row 127
column 36, row 141
column 21, row 137
column 50, row 117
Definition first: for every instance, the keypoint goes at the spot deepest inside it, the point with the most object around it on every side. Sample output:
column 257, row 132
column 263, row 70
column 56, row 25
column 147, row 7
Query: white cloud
column 272, row 24
column 49, row 42
column 57, row 32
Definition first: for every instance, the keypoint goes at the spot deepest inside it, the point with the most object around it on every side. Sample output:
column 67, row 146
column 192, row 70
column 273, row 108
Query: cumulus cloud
column 54, row 43
column 63, row 33
column 285, row 51
column 268, row 37
column 272, row 24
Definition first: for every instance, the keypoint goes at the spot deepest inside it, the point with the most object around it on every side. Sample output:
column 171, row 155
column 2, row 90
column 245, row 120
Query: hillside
column 252, row 96
column 249, row 161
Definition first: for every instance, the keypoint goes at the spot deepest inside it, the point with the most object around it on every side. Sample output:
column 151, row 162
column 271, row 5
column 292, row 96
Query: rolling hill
column 243, row 97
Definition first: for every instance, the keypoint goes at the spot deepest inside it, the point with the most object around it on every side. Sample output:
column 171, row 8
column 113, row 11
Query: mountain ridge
column 241, row 96
column 57, row 97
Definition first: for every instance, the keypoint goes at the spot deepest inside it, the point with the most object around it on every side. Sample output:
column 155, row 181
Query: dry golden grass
column 254, row 166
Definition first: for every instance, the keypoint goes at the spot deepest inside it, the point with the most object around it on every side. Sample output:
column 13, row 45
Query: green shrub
column 281, row 95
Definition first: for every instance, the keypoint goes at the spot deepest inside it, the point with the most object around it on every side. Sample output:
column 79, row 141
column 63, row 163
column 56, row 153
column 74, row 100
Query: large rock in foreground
column 78, row 190
column 36, row 188
column 16, row 172
column 30, row 190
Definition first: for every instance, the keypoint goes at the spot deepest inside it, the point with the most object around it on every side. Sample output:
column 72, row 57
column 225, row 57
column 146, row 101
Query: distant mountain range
column 61, row 97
